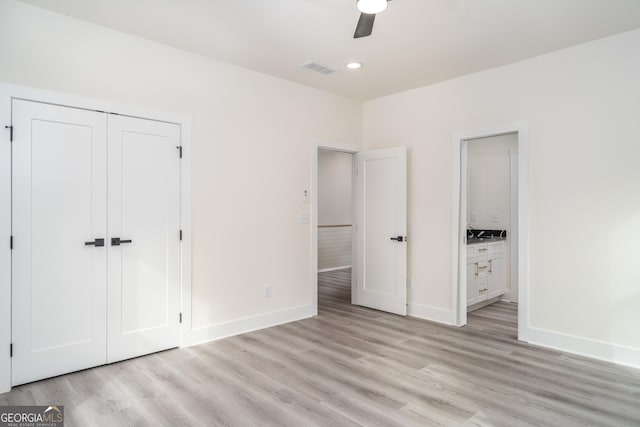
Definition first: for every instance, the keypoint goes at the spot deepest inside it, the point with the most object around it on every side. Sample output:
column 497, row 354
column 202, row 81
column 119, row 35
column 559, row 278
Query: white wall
column 335, row 206
column 582, row 105
column 488, row 175
column 334, row 187
column 334, row 248
column 251, row 147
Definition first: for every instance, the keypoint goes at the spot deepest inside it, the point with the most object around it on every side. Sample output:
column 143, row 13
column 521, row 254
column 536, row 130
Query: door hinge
column 180, row 234
column 10, row 132
column 11, row 242
column 179, row 147
column 11, row 350
column 180, row 317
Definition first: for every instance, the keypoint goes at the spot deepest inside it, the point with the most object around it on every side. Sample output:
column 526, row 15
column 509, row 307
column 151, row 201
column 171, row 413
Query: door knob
column 96, row 242
column 115, row 241
column 399, row 239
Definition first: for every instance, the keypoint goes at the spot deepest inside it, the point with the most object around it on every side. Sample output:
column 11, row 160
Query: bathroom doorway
column 490, row 261
column 491, row 234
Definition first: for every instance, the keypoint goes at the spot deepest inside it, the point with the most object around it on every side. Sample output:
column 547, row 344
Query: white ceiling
column 414, row 42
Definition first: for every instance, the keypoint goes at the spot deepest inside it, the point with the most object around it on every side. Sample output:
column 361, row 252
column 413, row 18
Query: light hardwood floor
column 352, row 366
column 498, row 319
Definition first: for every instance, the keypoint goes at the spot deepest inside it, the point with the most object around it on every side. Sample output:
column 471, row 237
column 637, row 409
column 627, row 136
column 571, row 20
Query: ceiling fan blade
column 365, row 25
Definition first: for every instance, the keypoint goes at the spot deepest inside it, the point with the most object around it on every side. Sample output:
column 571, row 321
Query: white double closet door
column 81, row 181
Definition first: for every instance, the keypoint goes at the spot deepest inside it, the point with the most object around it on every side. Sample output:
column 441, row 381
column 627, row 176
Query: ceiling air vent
column 318, row 68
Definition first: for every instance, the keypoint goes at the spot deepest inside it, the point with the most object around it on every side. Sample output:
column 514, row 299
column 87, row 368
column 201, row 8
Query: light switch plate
column 304, row 218
column 495, row 218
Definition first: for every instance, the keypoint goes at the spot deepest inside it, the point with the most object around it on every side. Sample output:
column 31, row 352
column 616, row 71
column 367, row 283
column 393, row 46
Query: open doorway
column 490, row 236
column 378, row 227
column 335, row 227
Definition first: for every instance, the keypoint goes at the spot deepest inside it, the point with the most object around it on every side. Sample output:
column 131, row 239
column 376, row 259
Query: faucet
column 480, row 233
column 502, row 233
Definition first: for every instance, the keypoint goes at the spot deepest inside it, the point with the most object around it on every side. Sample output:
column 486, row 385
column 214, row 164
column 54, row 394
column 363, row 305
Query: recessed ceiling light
column 371, row 6
column 354, row 65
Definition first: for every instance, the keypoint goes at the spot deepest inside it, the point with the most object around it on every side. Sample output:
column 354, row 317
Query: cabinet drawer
column 477, row 249
column 483, row 290
column 481, row 249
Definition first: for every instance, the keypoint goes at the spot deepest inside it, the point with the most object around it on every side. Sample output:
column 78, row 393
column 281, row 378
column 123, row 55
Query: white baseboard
column 434, row 314
column 324, row 270
column 248, row 324
column 509, row 297
column 481, row 304
column 622, row 355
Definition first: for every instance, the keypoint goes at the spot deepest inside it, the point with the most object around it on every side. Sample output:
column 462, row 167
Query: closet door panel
column 144, row 294
column 59, row 203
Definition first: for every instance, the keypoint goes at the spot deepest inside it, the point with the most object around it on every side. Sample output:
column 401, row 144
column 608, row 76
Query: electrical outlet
column 267, row 291
column 474, row 216
column 495, row 218
column 304, row 218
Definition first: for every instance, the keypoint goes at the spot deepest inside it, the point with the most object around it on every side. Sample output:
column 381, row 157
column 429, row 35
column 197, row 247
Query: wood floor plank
column 352, row 366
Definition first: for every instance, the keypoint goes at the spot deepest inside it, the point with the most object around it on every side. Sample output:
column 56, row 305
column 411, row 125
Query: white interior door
column 59, row 196
column 381, row 228
column 144, row 213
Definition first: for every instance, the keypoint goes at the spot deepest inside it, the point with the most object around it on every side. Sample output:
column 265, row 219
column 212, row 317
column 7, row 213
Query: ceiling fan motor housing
column 371, row 6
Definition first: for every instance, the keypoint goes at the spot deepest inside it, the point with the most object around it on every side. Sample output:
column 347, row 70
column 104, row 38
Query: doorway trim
column 459, row 253
column 313, row 279
column 9, row 92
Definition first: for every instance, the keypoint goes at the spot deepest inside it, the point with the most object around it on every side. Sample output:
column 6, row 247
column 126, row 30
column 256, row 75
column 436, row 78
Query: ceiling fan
column 369, row 8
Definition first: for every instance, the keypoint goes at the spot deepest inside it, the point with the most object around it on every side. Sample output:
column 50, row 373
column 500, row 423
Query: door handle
column 115, row 241
column 96, row 242
column 399, row 239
